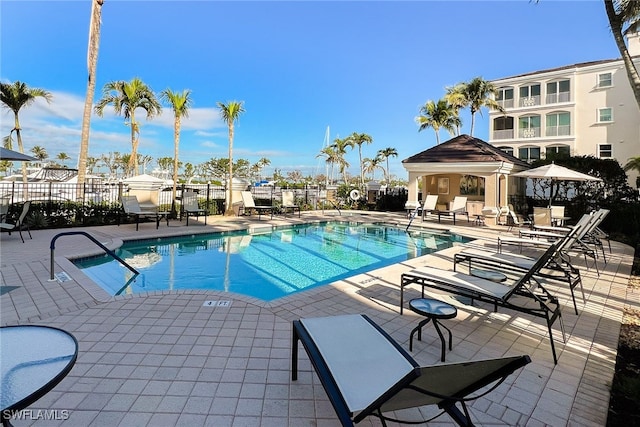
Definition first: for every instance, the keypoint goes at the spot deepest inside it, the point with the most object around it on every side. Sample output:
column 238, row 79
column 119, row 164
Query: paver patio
column 166, row 359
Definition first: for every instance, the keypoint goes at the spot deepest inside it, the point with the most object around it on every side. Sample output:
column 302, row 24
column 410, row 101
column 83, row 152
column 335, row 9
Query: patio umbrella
column 555, row 173
column 6, row 154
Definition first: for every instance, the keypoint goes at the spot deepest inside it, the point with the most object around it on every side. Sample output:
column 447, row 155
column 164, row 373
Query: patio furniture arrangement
column 518, row 295
column 20, row 223
column 250, row 205
column 131, row 207
column 366, row 373
column 434, row 310
column 190, row 206
column 288, row 203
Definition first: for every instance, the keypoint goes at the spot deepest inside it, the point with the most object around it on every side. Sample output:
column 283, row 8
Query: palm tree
column 339, row 146
column 230, row 113
column 39, row 153
column 262, row 163
column 476, row 94
column 14, row 97
column 385, row 154
column 370, row 166
column 634, row 165
column 438, row 115
column 92, row 64
column 624, row 15
column 180, row 103
column 331, row 157
column 126, row 97
column 359, row 139
column 63, row 157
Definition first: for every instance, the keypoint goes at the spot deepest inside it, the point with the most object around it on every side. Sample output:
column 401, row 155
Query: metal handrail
column 52, row 246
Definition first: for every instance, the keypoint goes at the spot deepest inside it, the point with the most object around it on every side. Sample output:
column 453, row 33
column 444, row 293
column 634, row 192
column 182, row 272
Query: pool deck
column 167, row 358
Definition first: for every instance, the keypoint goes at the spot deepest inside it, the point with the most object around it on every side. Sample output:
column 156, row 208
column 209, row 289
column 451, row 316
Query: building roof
column 565, row 67
column 465, row 149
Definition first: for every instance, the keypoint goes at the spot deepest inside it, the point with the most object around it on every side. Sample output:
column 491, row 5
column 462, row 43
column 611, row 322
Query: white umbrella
column 554, row 173
column 6, row 154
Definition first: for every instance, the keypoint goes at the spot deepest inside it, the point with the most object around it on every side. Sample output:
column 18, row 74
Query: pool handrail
column 109, row 252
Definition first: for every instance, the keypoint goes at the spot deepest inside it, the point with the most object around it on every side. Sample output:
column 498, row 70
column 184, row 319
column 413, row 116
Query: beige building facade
column 580, row 109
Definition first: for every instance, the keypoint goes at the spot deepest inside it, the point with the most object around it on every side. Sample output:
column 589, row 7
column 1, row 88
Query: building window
column 504, row 97
column 605, row 115
column 605, row 80
column 530, row 95
column 508, row 150
column 529, row 127
column 605, row 151
column 503, row 127
column 529, row 154
column 558, row 124
column 558, row 151
column 559, row 91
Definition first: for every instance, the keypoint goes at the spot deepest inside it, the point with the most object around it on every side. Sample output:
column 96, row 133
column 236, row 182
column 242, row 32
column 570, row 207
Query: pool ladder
column 109, row 252
column 413, row 215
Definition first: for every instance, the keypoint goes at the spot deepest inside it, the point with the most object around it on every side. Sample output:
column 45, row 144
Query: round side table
column 434, row 310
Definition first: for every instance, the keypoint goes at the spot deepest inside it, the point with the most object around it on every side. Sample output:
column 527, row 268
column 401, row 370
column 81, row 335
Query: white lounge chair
column 366, row 373
column 458, row 207
column 526, row 294
column 131, row 207
column 288, row 203
column 250, row 205
column 190, row 206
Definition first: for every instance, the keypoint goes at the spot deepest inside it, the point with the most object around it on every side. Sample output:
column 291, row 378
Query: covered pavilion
column 465, row 166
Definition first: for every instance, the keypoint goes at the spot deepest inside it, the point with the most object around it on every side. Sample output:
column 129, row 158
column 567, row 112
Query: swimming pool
column 266, row 265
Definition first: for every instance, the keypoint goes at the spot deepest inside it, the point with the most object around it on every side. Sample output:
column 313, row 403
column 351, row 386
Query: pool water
column 265, row 266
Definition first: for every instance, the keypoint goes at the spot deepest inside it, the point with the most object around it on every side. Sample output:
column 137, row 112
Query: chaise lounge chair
column 250, row 205
column 558, row 268
column 517, row 296
column 366, row 373
column 131, row 207
column 190, row 206
column 458, row 207
column 288, row 203
column 20, row 224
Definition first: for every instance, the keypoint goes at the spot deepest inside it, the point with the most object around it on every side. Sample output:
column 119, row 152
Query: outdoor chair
column 541, row 216
column 366, row 373
column 288, row 203
column 458, row 207
column 20, row 224
column 132, row 208
column 526, row 294
column 558, row 267
column 250, row 205
column 190, row 206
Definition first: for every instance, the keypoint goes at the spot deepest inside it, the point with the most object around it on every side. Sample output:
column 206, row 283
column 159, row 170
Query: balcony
column 529, row 133
column 558, row 131
column 506, row 103
column 503, row 134
column 530, row 101
column 555, row 98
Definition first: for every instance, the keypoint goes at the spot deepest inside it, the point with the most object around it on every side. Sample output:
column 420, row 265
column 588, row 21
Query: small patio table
column 34, row 360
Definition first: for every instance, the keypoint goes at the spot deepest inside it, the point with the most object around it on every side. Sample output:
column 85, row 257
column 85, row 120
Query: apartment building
column 580, row 109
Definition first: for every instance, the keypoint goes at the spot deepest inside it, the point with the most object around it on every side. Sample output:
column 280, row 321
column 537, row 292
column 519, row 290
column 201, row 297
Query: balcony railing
column 503, row 134
column 555, row 98
column 558, row 131
column 506, row 103
column 529, row 133
column 530, row 101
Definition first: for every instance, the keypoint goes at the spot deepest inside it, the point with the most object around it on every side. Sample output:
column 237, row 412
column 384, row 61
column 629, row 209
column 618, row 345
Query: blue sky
column 299, row 67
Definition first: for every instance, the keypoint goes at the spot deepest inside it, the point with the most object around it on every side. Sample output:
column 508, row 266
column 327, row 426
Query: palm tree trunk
column 361, row 166
column 615, row 22
column 176, row 143
column 92, row 63
column 473, row 119
column 229, row 209
column 436, row 130
column 133, row 159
